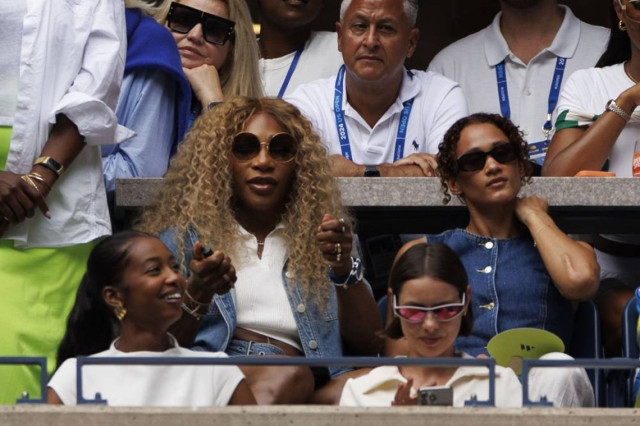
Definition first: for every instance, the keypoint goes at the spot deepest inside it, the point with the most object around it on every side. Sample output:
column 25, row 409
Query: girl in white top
column 430, row 296
column 133, row 277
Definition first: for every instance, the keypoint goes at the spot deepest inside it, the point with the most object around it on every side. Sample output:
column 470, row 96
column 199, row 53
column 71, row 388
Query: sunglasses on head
column 215, row 30
column 282, row 147
column 503, row 152
column 417, row 314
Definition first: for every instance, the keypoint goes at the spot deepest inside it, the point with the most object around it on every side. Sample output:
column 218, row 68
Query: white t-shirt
column 378, row 388
column 261, row 300
column 588, row 91
column 472, row 63
column 319, row 59
column 141, row 385
column 438, row 103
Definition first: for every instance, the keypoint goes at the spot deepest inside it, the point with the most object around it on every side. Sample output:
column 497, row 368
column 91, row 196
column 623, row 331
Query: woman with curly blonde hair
column 217, row 46
column 252, row 181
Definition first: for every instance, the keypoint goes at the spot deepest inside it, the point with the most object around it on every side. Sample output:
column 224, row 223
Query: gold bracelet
column 38, row 177
column 31, row 183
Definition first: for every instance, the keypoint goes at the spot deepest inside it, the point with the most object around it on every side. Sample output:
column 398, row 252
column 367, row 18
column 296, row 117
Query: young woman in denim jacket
column 523, row 270
column 277, row 213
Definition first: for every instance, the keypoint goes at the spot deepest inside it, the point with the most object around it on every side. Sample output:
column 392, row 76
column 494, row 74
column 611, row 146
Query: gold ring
column 344, row 227
column 338, row 248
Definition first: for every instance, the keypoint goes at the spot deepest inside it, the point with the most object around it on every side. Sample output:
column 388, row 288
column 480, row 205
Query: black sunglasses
column 503, row 153
column 282, row 147
column 215, row 30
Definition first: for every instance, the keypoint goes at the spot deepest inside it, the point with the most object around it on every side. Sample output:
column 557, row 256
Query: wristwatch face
column 371, row 171
column 50, row 164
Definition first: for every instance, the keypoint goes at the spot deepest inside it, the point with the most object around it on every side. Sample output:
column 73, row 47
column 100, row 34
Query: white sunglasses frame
column 431, row 309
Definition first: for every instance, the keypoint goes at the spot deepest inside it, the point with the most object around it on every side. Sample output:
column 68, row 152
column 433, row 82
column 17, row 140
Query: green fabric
column 5, row 139
column 38, row 288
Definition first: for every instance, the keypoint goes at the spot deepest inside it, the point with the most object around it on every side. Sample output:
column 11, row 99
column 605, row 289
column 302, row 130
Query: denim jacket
column 510, row 288
column 319, row 330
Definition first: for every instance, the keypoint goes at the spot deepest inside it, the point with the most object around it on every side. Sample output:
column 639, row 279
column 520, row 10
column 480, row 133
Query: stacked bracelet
column 355, row 275
column 193, row 311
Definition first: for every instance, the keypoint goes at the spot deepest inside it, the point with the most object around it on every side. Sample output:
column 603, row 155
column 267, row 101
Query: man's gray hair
column 410, row 10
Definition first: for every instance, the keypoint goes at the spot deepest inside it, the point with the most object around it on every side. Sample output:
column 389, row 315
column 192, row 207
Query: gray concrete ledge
column 423, row 192
column 313, row 416
column 414, row 205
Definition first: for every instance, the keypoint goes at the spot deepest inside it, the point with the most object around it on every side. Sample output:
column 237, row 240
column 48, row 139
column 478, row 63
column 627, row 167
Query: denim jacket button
column 313, row 344
column 301, row 308
column 485, row 270
column 488, row 245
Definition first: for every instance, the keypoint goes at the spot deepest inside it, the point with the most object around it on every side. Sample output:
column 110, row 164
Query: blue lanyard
column 554, row 93
column 292, row 68
column 343, row 134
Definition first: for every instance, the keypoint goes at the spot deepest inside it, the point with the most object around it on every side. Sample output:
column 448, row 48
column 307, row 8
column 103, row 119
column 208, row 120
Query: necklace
column 626, row 71
column 260, row 243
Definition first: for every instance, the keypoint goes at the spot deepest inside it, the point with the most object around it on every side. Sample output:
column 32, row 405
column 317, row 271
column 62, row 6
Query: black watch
column 371, row 171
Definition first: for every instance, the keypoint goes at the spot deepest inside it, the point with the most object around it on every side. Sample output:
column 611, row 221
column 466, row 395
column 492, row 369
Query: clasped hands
column 20, row 195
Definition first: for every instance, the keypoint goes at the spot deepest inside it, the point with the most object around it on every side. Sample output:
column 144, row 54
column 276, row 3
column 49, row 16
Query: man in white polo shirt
column 516, row 66
column 375, row 117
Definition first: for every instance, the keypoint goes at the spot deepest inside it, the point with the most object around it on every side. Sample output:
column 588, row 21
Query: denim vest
column 319, row 329
column 510, row 288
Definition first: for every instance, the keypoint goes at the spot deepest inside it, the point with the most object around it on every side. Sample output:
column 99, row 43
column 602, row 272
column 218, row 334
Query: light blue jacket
column 319, row 330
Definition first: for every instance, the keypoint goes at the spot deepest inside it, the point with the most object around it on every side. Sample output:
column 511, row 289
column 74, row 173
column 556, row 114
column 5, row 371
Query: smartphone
column 435, row 395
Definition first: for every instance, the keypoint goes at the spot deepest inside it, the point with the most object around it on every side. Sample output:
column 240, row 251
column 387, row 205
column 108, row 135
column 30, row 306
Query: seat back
column 586, row 343
column 630, row 341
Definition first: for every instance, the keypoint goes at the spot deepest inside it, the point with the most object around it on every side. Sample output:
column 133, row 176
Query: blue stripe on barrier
column 288, row 361
column 28, row 360
column 527, row 364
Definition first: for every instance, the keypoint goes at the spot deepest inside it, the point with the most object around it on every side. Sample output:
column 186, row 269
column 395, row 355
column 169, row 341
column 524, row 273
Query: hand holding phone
column 435, row 395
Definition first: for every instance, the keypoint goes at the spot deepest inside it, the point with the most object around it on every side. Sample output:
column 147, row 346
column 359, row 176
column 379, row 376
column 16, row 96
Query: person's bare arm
column 415, row 165
column 18, row 197
column 53, row 398
column 571, row 264
column 357, row 309
column 210, row 275
column 242, row 395
column 580, row 148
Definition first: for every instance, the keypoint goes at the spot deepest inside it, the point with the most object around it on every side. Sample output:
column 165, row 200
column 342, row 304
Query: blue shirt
column 510, row 288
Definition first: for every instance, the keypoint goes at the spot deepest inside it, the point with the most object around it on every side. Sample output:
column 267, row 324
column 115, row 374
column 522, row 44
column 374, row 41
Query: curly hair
column 435, row 260
column 447, row 159
column 197, row 191
column 239, row 76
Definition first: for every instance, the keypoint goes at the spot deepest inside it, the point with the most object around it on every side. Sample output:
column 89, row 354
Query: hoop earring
column 120, row 311
column 622, row 26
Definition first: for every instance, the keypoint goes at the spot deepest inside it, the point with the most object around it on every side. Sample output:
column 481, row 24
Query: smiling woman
column 133, row 290
column 252, row 180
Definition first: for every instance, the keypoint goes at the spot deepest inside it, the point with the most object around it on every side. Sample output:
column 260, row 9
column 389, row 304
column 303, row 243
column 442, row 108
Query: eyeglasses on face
column 417, row 314
column 503, row 153
column 631, row 9
column 282, row 147
column 215, row 30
